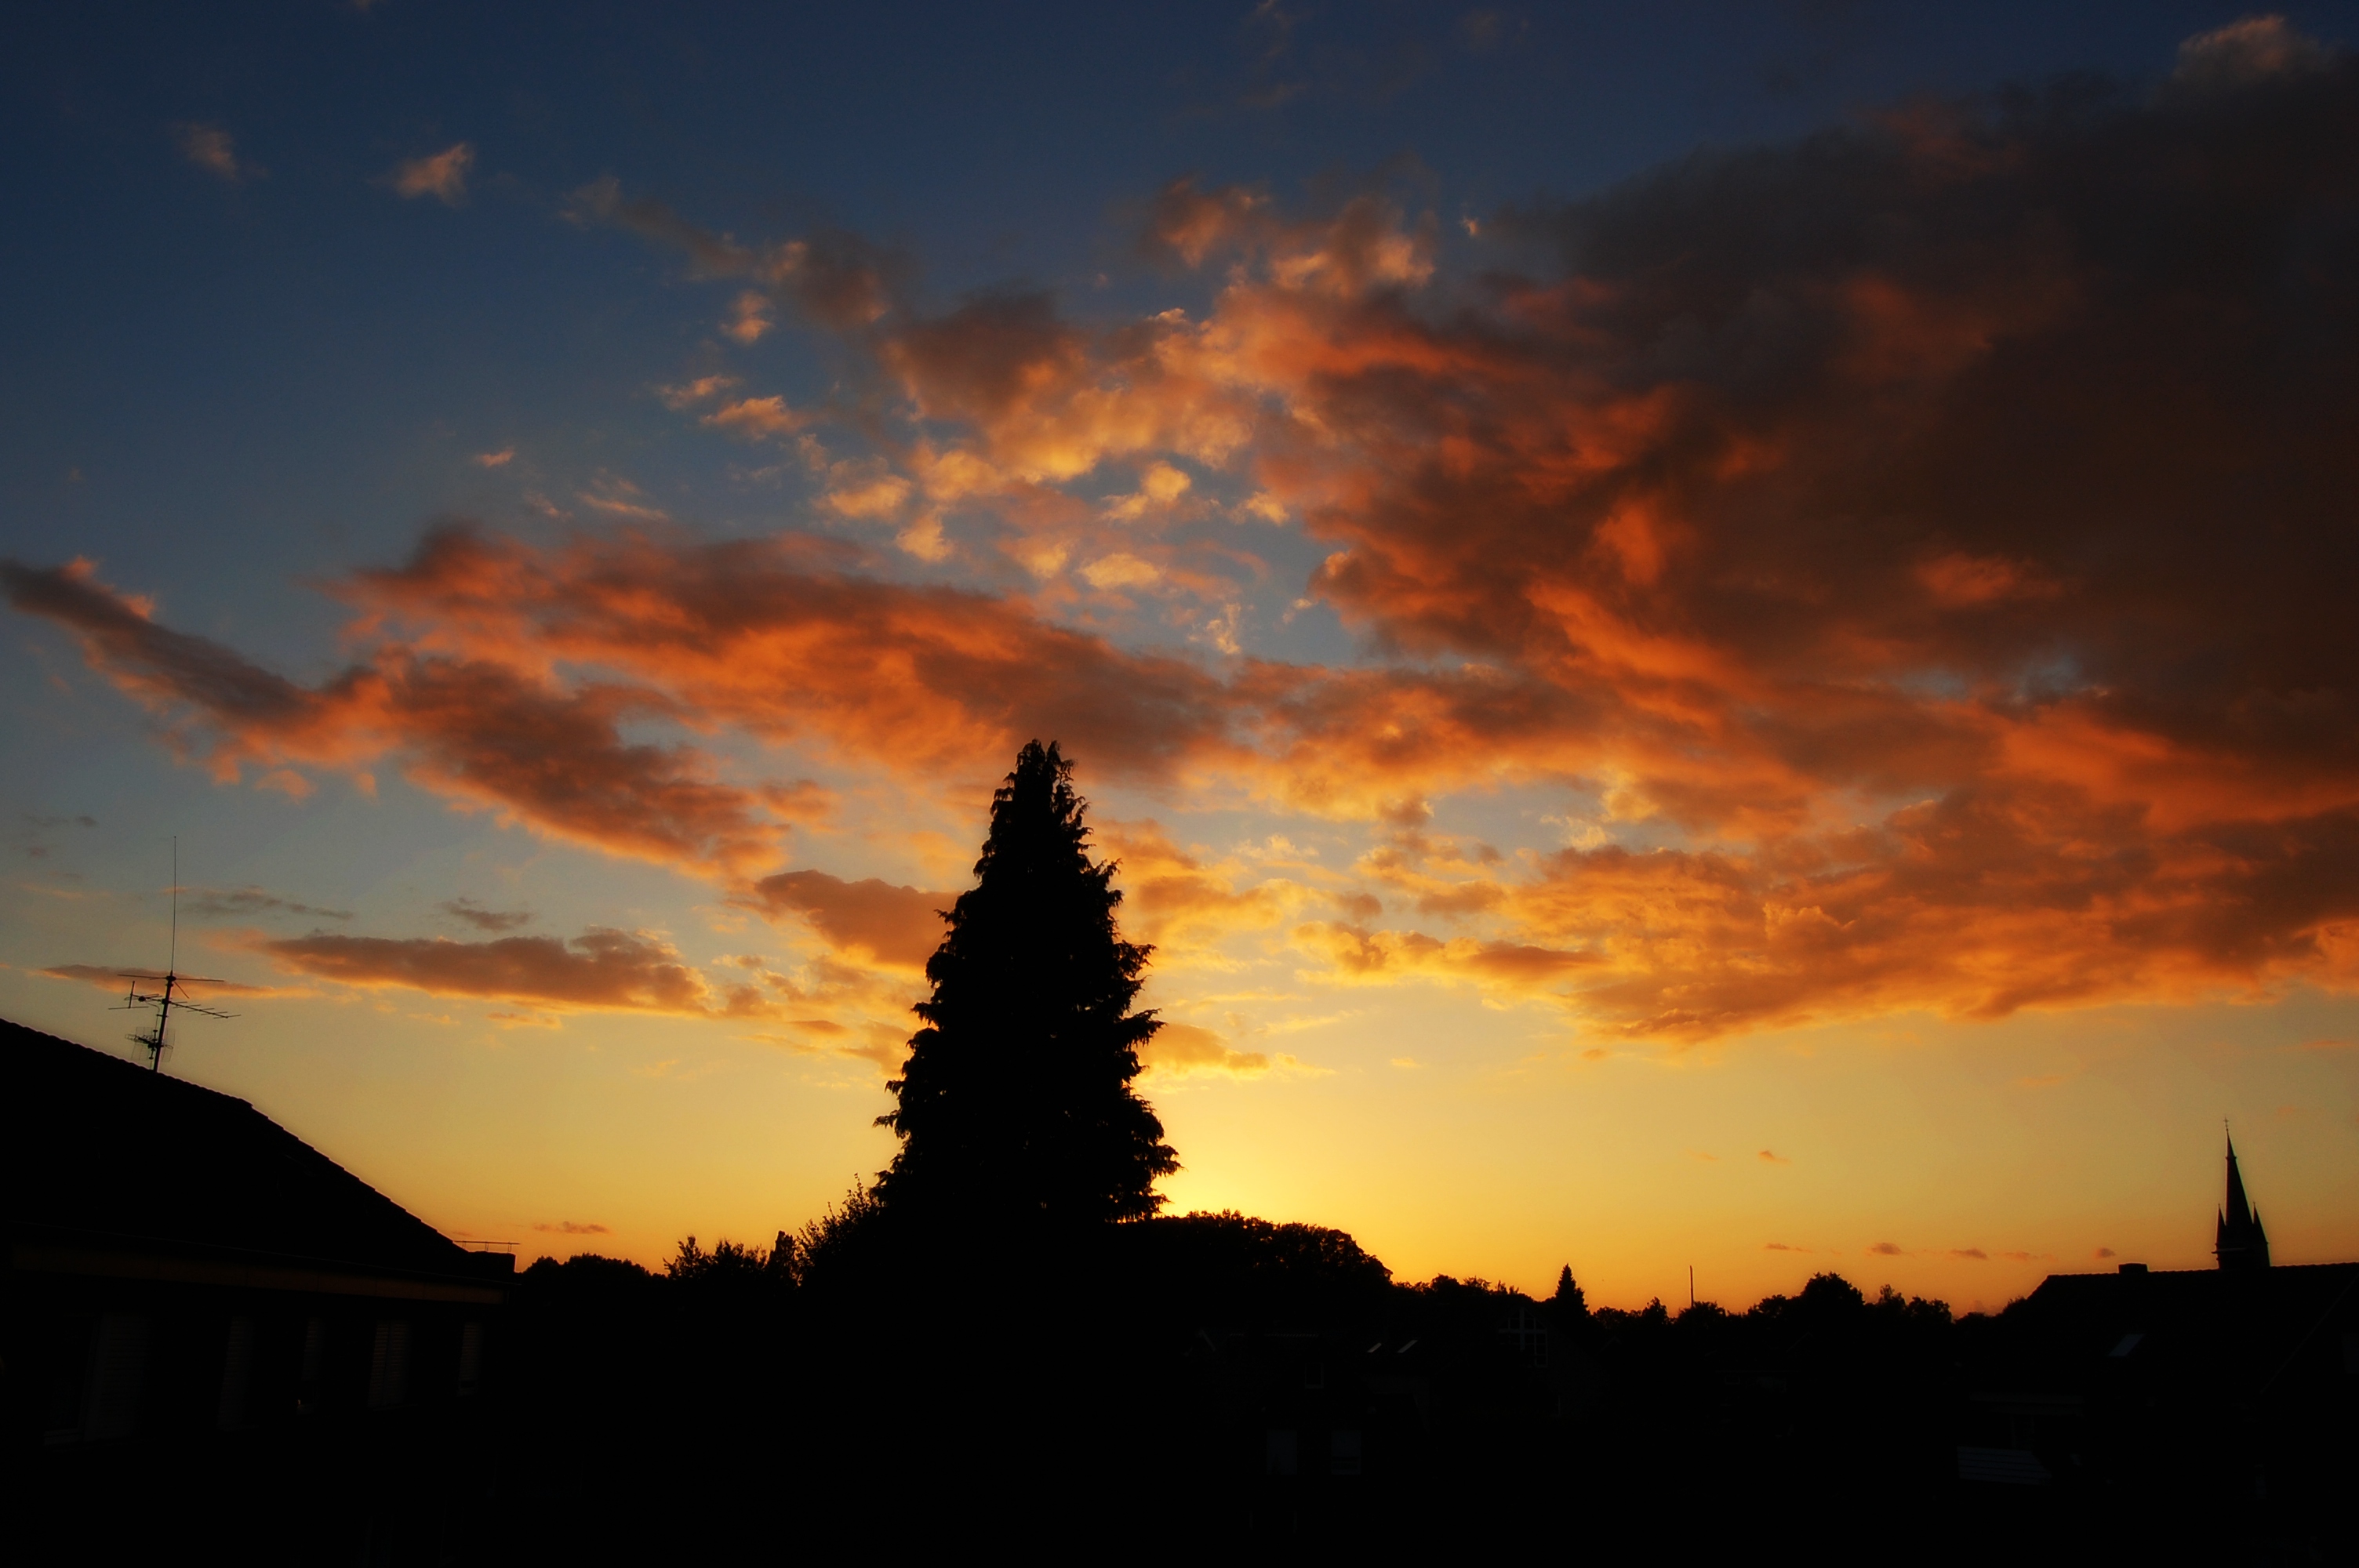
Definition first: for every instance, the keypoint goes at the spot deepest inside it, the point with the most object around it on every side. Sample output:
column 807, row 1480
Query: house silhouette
column 203, row 1311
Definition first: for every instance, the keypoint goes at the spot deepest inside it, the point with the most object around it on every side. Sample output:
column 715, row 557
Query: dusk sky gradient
column 1711, row 634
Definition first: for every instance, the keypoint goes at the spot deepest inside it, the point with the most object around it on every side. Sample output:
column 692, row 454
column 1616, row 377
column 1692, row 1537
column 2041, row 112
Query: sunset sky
column 1707, row 634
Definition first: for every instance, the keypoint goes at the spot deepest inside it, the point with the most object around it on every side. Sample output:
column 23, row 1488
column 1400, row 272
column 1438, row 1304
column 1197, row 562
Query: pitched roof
column 2224, row 1332
column 98, row 1146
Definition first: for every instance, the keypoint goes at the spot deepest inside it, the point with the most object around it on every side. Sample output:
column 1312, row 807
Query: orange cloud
column 442, row 175
column 1917, row 593
column 482, row 734
column 108, row 980
column 1172, row 897
column 749, row 317
column 1179, row 1050
column 892, row 924
column 755, row 418
column 598, row 969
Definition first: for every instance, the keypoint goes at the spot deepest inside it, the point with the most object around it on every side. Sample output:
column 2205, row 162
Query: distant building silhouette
column 2146, row 1387
column 2242, row 1243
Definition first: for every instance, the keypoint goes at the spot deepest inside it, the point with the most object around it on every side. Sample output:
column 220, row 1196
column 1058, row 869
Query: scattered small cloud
column 442, row 175
column 1159, row 486
column 483, row 918
column 1179, row 1050
column 215, row 150
column 1406, row 1062
column 689, row 393
column 1767, row 1158
column 571, row 1228
column 500, row 459
column 1781, row 1247
column 749, row 317
column 1265, row 507
column 1969, row 1255
column 246, row 902
column 1700, row 1154
column 29, row 835
column 2103, row 1252
column 894, row 925
column 601, row 968
column 2246, row 52
column 867, row 495
column 755, row 418
column 882, row 1045
column 618, row 497
column 1121, row 570
column 1889, row 1250
column 111, row 979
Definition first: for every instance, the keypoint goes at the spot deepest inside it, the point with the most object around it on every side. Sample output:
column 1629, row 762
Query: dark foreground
column 215, row 1341
column 1221, row 1384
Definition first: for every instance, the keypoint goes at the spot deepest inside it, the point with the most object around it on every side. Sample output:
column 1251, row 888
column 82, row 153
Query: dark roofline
column 108, row 1161
column 50, row 1244
column 2195, row 1273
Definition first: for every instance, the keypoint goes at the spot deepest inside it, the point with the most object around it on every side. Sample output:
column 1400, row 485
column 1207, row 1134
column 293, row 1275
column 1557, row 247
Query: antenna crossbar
column 174, row 988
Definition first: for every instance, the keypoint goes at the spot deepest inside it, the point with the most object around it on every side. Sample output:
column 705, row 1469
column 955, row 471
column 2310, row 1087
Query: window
column 1344, row 1451
column 71, row 1341
column 118, row 1362
column 237, row 1371
column 312, row 1397
column 389, row 1365
column 471, row 1357
column 1529, row 1335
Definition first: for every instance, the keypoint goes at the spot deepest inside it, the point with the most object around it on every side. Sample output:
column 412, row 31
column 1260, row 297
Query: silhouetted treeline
column 1227, row 1380
column 1157, row 1368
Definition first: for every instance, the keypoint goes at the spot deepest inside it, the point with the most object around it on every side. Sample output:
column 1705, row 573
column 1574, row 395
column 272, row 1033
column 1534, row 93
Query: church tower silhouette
column 2242, row 1243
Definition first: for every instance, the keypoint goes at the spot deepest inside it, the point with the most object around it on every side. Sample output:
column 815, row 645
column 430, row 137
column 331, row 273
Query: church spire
column 2242, row 1243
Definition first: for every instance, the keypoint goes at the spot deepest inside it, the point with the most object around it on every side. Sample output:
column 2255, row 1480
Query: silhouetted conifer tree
column 1568, row 1301
column 1015, row 1104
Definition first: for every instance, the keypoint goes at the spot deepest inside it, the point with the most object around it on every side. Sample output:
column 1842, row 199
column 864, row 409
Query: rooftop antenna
column 164, row 1000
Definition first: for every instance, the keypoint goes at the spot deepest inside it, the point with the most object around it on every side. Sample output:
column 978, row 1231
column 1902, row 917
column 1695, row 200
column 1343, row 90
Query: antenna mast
column 164, row 1000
